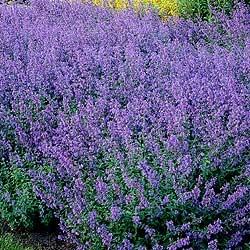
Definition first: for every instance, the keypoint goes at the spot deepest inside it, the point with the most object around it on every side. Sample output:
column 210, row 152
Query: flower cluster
column 137, row 130
column 163, row 7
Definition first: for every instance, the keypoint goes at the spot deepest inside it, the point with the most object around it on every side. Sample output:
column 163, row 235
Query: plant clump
column 133, row 131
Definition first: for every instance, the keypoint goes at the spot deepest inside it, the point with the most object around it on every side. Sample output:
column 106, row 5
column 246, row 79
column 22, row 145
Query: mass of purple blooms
column 137, row 129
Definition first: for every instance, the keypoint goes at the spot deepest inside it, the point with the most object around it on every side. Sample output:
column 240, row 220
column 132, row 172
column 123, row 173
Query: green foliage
column 18, row 205
column 188, row 211
column 8, row 243
column 203, row 8
column 247, row 246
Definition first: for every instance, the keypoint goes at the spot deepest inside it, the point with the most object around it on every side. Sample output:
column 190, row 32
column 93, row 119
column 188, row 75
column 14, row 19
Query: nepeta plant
column 17, row 200
column 139, row 129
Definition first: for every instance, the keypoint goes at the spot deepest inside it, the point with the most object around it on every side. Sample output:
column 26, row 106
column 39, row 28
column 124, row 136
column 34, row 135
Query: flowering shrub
column 164, row 7
column 138, row 130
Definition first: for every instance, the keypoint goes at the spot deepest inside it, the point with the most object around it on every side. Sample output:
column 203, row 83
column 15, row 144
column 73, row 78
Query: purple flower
column 150, row 231
column 185, row 227
column 115, row 114
column 185, row 165
column 180, row 244
column 165, row 200
column 101, row 189
column 173, row 142
column 233, row 198
column 116, row 213
column 126, row 245
column 214, row 228
column 136, row 220
column 143, row 203
column 212, row 245
column 149, row 173
column 128, row 199
column 208, row 198
column 158, row 247
column 79, row 184
column 235, row 240
column 170, row 225
column 105, row 235
column 92, row 219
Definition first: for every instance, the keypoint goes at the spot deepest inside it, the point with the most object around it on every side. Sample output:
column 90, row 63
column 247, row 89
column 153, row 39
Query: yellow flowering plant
column 164, row 7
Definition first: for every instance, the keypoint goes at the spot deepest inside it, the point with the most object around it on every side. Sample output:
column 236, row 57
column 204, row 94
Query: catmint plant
column 138, row 129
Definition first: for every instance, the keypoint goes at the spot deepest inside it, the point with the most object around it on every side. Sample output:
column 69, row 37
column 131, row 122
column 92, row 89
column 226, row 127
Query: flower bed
column 134, row 132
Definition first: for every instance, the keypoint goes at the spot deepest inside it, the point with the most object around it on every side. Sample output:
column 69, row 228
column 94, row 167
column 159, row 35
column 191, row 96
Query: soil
column 42, row 241
column 38, row 240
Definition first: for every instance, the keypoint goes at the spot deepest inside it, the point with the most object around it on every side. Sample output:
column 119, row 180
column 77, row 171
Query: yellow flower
column 164, row 7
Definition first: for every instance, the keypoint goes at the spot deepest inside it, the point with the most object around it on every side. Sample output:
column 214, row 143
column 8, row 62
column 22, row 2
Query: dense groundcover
column 134, row 131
